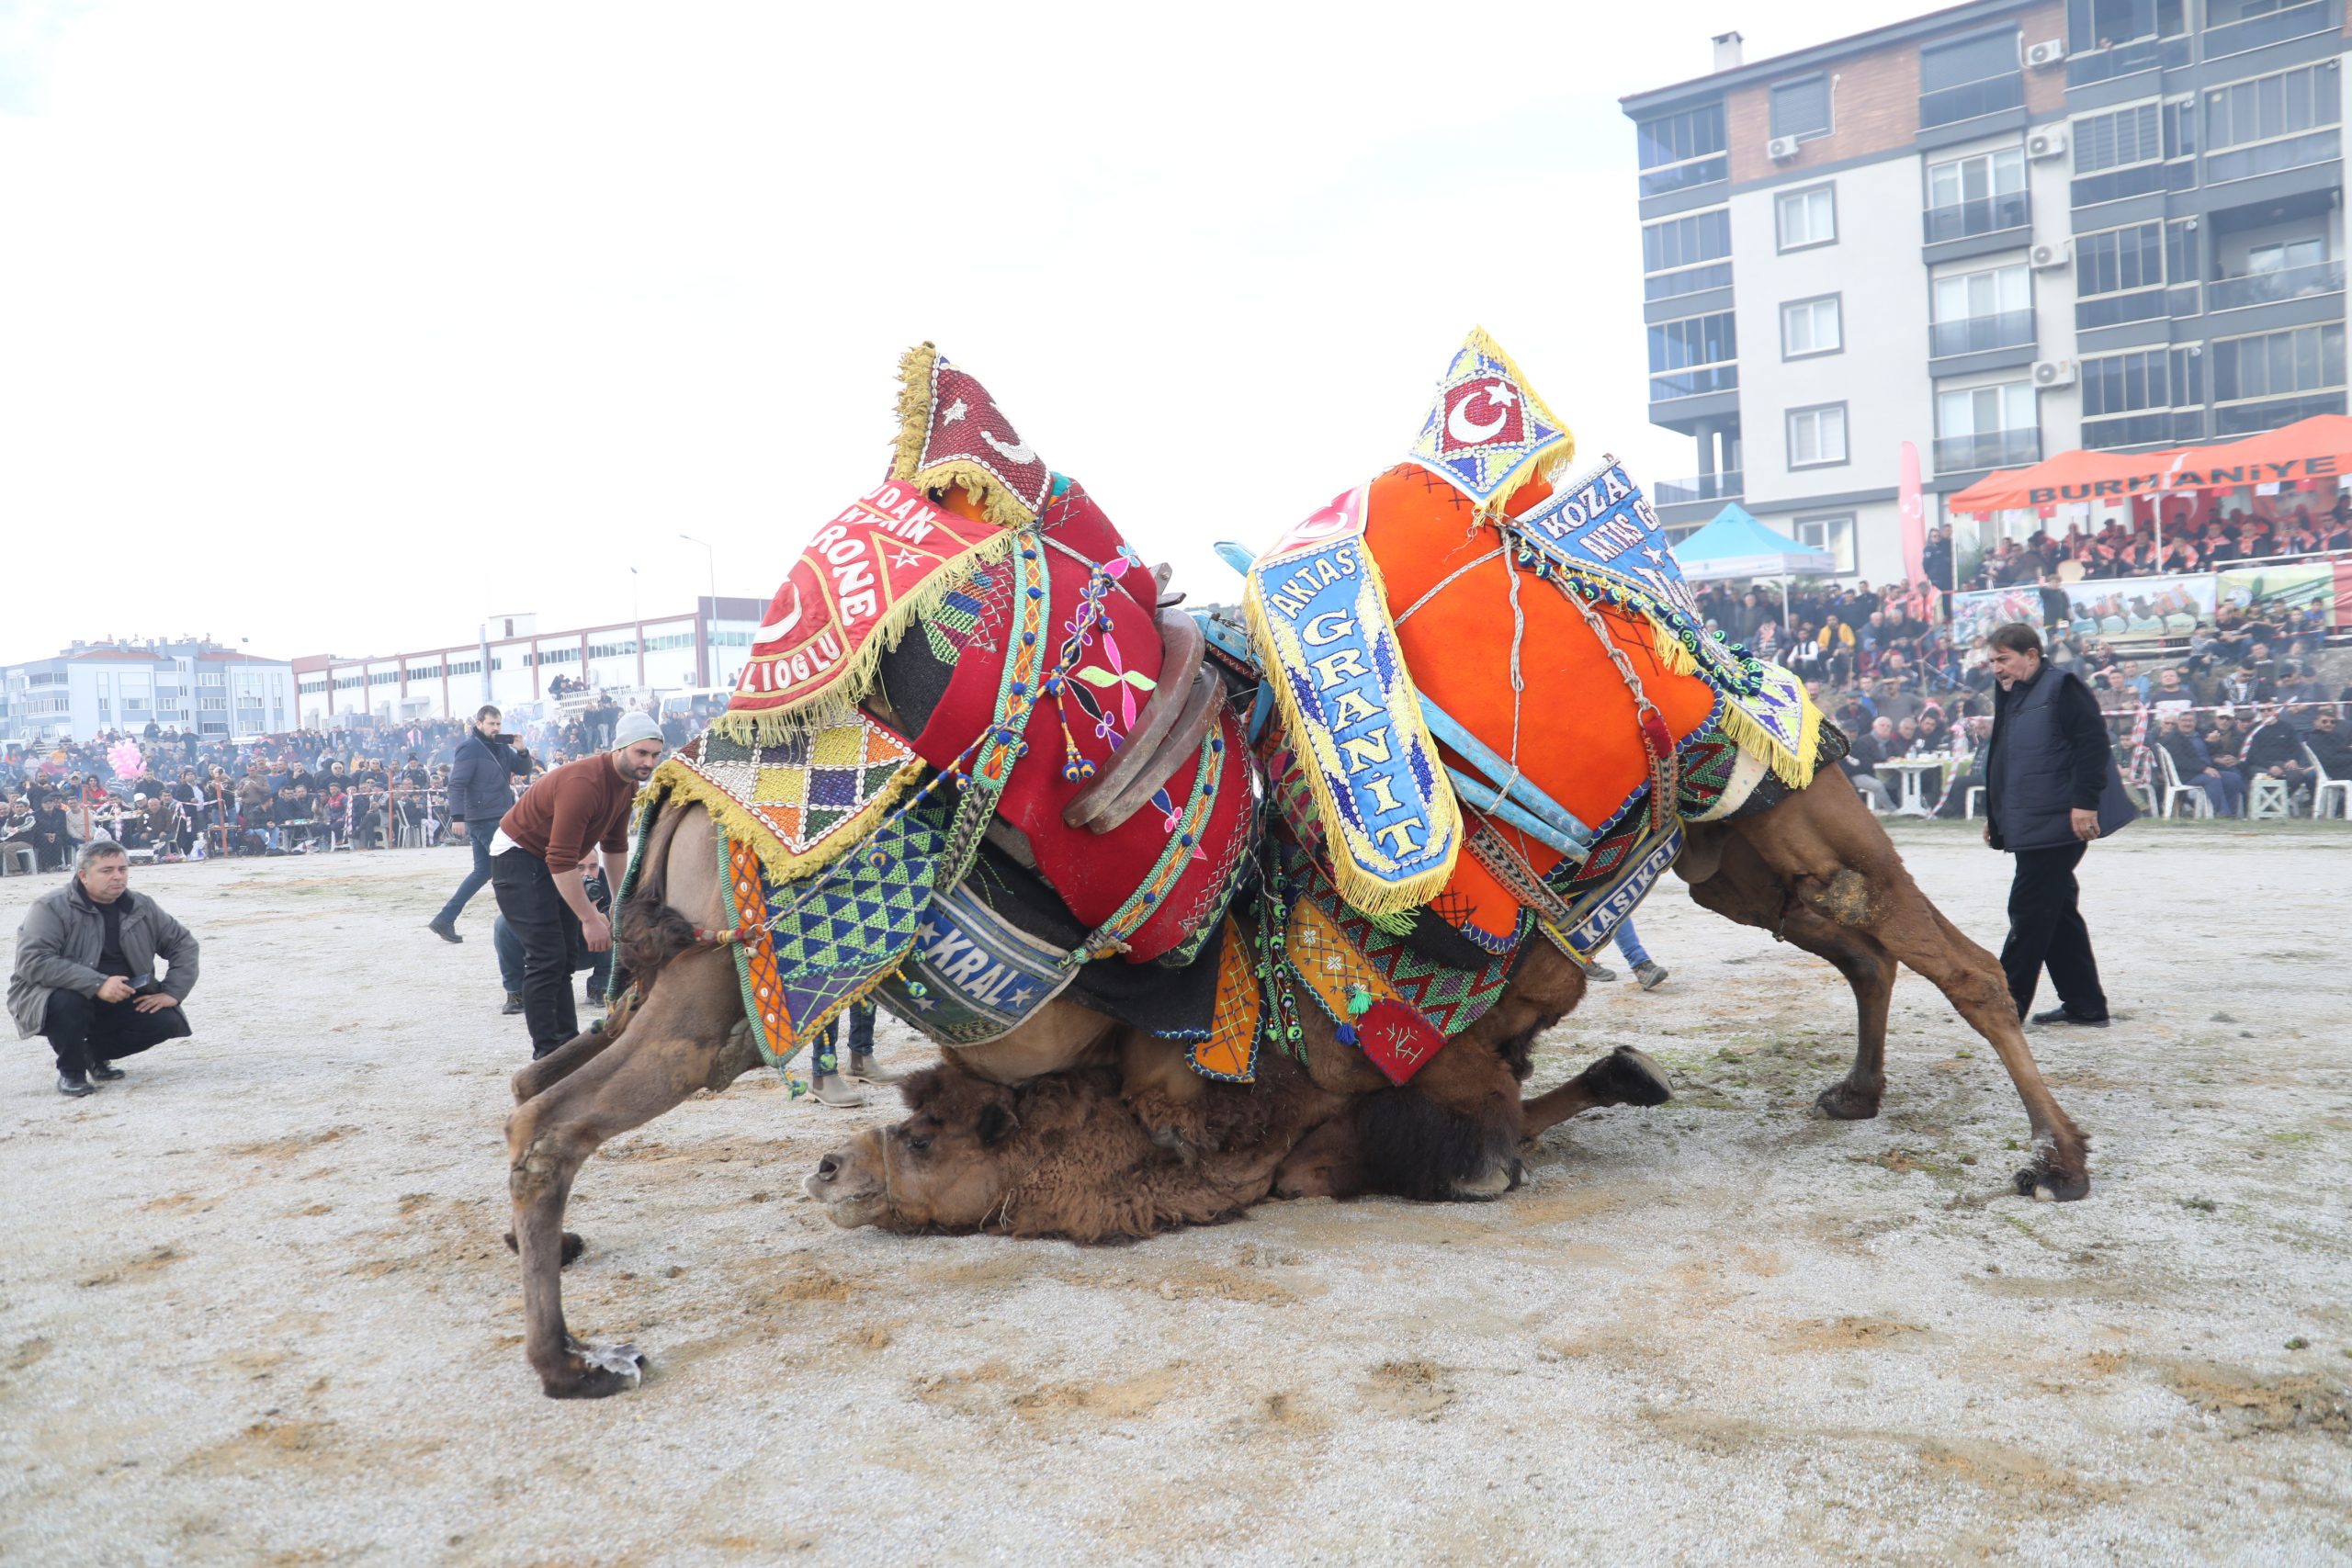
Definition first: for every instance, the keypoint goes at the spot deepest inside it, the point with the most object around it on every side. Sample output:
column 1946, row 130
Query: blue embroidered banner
column 973, row 977
column 1319, row 614
column 1602, row 527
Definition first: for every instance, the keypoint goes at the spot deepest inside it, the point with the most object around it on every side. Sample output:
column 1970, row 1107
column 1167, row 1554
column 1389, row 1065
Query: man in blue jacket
column 2050, row 787
column 479, row 795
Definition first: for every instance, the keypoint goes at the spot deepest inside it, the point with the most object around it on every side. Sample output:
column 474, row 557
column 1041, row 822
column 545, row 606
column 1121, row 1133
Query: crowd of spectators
column 2214, row 542
column 302, row 792
column 1882, row 663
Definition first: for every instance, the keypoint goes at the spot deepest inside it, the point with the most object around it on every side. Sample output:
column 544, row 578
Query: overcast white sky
column 337, row 326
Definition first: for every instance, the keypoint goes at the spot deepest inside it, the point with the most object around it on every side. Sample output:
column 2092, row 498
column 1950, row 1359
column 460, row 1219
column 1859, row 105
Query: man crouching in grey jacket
column 85, row 971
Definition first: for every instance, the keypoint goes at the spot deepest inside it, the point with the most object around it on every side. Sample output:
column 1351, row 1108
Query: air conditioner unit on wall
column 2056, row 253
column 2048, row 53
column 1781, row 149
column 2053, row 373
column 2049, row 143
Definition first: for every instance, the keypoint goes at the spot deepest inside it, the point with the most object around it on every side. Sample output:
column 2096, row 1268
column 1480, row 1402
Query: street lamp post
column 702, row 623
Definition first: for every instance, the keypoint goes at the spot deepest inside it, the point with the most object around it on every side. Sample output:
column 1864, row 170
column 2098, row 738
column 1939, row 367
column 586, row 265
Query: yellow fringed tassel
column 684, row 785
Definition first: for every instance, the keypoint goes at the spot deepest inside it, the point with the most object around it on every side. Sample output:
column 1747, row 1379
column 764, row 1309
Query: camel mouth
column 854, row 1210
column 852, row 1196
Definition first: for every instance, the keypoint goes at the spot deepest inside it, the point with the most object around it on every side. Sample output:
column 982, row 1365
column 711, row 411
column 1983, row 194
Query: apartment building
column 2002, row 231
column 511, row 662
column 176, row 683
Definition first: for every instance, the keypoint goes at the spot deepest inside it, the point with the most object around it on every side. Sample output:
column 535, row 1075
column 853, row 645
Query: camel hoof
column 1841, row 1102
column 595, row 1371
column 2050, row 1187
column 1627, row 1077
column 1488, row 1188
column 575, row 1243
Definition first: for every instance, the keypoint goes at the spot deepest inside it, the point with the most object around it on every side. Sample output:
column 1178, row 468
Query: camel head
column 945, row 1167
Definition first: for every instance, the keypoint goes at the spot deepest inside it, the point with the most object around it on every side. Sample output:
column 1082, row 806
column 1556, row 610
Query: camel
column 1815, row 870
column 1069, row 1155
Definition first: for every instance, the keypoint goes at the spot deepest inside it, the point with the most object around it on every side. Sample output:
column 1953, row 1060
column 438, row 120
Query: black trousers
column 83, row 1030
column 2046, row 930
column 553, row 946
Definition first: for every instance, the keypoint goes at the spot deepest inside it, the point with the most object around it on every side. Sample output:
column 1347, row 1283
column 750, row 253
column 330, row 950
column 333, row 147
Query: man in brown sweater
column 536, row 869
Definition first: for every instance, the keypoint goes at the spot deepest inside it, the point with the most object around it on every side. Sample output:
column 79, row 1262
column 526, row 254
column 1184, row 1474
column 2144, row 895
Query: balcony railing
column 2161, row 425
column 1727, row 486
column 1947, row 104
column 1668, row 384
column 1974, row 335
column 2271, row 157
column 1987, row 449
column 1689, row 280
column 2271, row 413
column 1987, row 215
column 2294, row 21
column 2086, row 66
column 2270, row 287
column 1683, row 176
column 2114, row 310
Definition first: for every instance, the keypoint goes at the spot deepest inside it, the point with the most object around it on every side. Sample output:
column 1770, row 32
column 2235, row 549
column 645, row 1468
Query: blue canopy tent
column 1736, row 544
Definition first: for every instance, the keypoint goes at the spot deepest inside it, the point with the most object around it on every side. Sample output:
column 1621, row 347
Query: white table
column 1910, row 769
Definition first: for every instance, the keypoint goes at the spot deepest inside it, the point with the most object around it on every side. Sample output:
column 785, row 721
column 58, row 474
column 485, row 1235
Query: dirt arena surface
column 253, row 1306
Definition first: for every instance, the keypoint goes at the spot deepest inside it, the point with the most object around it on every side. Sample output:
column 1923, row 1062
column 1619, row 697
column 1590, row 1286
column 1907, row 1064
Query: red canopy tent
column 2317, row 448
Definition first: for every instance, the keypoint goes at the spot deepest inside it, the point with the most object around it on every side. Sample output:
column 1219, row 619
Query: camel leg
column 1834, row 859
column 562, row 1062
column 1743, row 888
column 682, row 1041
column 1625, row 1077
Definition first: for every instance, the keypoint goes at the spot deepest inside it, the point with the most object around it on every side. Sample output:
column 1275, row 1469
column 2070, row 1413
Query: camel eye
column 918, row 1145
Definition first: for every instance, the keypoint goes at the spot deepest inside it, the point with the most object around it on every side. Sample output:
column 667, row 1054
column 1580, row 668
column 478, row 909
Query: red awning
column 2317, row 448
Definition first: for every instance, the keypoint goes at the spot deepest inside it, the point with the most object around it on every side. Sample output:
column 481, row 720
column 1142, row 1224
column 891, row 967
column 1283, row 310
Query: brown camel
column 1068, row 1155
column 1815, row 870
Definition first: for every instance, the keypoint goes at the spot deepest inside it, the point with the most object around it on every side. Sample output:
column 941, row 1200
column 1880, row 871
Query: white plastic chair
column 21, row 858
column 1968, row 805
column 2325, row 788
column 2200, row 803
column 2269, row 797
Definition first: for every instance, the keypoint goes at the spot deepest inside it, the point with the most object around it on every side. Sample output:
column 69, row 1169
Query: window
column 2126, row 262
column 1962, row 78
column 2271, row 364
column 2117, row 154
column 1807, row 217
column 1834, row 534
column 2272, row 122
column 1817, row 436
column 1810, row 326
column 2233, row 27
column 1976, row 196
column 2105, row 24
column 1692, row 356
column 2286, row 254
column 1978, row 311
column 1678, row 150
column 1682, row 255
column 2125, row 397
column 1801, row 108
column 1987, row 427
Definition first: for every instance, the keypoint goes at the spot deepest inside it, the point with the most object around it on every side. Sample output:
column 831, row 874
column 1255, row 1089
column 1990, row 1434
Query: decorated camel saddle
column 972, row 763
column 976, row 763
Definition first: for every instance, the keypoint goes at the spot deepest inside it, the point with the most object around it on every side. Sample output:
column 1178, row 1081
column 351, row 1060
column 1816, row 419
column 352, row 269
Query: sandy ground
column 254, row 1307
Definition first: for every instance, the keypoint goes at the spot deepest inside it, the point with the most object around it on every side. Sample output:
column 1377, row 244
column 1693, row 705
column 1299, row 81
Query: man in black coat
column 480, row 793
column 2050, row 787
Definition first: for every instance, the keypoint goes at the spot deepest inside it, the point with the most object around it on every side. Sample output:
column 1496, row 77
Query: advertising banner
column 1975, row 613
column 2265, row 592
column 2126, row 608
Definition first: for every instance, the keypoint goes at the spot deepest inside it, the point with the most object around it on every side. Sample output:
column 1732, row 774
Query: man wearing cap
column 535, row 861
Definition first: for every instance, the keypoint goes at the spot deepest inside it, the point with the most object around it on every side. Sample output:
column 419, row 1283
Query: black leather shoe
column 2060, row 1015
column 105, row 1072
column 513, row 1005
column 75, row 1084
column 444, row 930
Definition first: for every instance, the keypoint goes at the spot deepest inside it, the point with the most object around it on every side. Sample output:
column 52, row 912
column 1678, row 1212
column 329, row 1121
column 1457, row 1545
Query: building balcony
column 1728, row 486
column 2116, row 309
column 1987, row 449
column 1696, row 381
column 1685, row 177
column 2270, row 287
column 2275, row 26
column 2159, row 427
column 1988, row 215
column 2270, row 413
column 2272, row 157
column 2086, row 66
column 1976, row 334
column 1946, row 105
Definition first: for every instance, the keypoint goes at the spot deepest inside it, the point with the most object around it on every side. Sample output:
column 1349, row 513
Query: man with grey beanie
column 536, row 863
